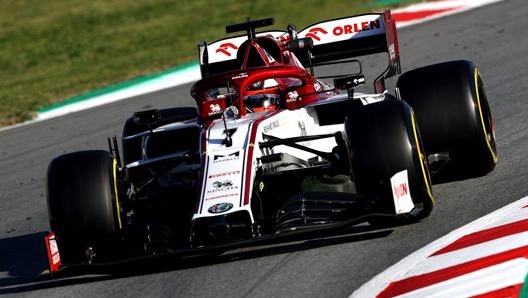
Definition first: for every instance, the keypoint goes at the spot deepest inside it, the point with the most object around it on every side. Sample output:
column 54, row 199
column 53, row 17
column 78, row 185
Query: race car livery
column 272, row 151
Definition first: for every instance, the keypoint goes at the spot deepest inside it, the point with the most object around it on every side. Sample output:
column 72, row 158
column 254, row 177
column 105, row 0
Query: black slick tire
column 384, row 139
column 452, row 109
column 82, row 202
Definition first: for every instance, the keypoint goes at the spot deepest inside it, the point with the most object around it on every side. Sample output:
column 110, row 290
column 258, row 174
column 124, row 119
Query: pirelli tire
column 384, row 139
column 452, row 109
column 83, row 205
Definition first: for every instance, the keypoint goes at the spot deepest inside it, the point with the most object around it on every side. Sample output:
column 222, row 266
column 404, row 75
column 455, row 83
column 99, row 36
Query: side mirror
column 300, row 43
column 349, row 82
column 147, row 117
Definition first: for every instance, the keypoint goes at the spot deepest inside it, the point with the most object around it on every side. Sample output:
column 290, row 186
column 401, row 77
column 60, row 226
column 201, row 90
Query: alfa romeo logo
column 220, row 207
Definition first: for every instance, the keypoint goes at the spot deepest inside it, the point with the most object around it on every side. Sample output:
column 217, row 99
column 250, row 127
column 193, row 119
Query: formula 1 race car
column 272, row 150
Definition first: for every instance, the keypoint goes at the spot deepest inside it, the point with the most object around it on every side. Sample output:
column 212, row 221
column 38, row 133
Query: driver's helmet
column 262, row 96
column 261, row 102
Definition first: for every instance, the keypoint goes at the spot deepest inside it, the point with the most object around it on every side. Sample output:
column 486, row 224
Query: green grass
column 51, row 50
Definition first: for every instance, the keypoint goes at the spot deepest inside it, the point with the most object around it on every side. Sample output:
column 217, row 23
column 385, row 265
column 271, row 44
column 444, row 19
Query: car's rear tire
column 383, row 140
column 452, row 109
column 82, row 203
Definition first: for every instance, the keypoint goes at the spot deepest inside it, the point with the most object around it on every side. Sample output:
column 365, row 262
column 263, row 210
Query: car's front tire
column 83, row 203
column 384, row 139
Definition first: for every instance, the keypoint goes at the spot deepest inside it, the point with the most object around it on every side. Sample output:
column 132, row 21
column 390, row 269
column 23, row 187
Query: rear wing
column 221, row 55
column 333, row 40
column 354, row 36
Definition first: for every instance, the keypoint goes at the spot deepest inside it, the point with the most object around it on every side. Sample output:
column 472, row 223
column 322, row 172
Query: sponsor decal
column 220, row 207
column 356, row 27
column 271, row 126
column 228, row 157
column 223, row 174
column 222, row 186
column 222, row 196
column 401, row 194
column 53, row 252
column 284, row 38
column 343, row 28
column 226, row 48
column 392, row 51
column 314, row 31
column 293, row 95
column 215, row 109
column 226, row 184
column 401, row 190
column 240, row 76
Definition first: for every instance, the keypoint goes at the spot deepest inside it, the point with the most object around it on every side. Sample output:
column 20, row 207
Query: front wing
column 157, row 261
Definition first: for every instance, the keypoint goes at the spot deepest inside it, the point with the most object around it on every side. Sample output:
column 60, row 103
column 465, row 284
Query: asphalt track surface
column 494, row 37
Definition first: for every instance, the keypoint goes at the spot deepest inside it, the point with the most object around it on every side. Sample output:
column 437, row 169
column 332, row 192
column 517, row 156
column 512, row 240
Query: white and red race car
column 272, row 151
